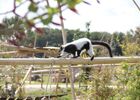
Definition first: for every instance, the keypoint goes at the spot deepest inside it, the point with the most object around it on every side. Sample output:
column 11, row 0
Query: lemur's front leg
column 76, row 54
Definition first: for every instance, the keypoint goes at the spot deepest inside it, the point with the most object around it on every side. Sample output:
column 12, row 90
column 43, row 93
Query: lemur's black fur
column 103, row 44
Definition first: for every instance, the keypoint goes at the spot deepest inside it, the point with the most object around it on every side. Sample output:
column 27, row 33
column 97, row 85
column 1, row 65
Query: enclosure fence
column 70, row 62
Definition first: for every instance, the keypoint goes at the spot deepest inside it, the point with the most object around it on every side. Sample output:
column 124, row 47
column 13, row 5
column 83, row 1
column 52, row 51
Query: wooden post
column 30, row 76
column 67, row 79
column 42, row 80
column 57, row 81
column 72, row 82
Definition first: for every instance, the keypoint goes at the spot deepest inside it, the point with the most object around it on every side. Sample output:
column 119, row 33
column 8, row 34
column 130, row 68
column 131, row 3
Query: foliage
column 101, row 84
column 131, row 49
column 129, row 79
column 12, row 76
column 104, row 83
column 130, row 46
column 113, row 83
column 43, row 92
column 12, row 31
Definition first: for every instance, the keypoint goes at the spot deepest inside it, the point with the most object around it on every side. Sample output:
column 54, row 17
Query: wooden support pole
column 72, row 82
column 23, row 81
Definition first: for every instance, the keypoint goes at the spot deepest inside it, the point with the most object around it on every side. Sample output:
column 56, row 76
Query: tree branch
column 136, row 5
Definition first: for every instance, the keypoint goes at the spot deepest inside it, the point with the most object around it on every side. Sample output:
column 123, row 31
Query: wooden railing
column 67, row 61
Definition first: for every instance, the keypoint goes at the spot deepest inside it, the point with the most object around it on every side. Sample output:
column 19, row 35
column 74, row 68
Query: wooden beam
column 67, row 61
column 38, row 50
column 30, row 49
column 23, row 81
column 42, row 69
column 9, row 53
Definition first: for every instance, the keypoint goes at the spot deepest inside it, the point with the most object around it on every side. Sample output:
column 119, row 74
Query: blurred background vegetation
column 15, row 32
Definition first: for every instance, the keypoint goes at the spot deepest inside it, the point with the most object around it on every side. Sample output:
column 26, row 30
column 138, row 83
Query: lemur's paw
column 92, row 58
column 58, row 56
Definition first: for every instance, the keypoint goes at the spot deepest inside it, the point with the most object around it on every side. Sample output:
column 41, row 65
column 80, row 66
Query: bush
column 109, row 83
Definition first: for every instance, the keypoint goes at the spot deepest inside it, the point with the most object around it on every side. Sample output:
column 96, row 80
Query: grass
column 41, row 92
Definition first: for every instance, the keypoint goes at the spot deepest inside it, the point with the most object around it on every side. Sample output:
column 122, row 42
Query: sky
column 109, row 15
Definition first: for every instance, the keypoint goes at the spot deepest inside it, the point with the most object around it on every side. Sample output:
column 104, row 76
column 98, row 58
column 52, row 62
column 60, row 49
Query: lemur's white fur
column 79, row 43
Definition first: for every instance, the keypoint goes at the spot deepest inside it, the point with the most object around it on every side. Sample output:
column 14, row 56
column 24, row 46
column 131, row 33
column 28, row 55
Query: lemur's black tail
column 103, row 44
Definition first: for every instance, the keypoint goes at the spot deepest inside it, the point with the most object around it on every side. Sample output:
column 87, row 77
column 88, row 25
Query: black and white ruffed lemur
column 76, row 47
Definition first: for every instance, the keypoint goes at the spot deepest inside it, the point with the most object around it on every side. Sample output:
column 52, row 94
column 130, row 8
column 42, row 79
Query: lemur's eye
column 61, row 48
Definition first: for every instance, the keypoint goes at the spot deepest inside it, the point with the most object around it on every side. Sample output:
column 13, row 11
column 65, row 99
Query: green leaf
column 60, row 1
column 19, row 1
column 47, row 21
column 73, row 3
column 33, row 7
column 52, row 11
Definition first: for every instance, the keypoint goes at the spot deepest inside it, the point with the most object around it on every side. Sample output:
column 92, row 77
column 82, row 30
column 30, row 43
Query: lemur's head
column 62, row 51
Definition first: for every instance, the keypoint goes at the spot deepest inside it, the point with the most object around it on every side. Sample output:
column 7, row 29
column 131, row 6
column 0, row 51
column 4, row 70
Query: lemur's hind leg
column 90, row 53
column 78, row 53
column 92, row 58
column 74, row 54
